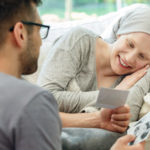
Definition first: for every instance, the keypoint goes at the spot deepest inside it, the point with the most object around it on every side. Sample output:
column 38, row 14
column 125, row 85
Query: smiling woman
column 130, row 54
column 83, row 62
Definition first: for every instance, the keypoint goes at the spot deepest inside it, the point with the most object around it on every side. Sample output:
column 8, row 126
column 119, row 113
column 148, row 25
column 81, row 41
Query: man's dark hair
column 12, row 11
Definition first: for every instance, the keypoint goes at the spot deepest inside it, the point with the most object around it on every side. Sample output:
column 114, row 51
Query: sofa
column 101, row 25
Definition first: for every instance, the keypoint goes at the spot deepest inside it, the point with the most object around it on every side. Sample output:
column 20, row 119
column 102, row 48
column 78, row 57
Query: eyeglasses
column 44, row 29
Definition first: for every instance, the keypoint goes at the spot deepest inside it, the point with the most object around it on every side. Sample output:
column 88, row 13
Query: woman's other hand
column 116, row 120
column 131, row 79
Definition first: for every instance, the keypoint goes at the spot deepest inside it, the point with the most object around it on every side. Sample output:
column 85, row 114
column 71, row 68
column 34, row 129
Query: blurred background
column 62, row 10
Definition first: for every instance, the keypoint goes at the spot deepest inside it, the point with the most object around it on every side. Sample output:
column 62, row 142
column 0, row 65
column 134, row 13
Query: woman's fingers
column 118, row 128
column 134, row 77
column 130, row 80
column 121, row 117
column 122, row 109
column 120, row 123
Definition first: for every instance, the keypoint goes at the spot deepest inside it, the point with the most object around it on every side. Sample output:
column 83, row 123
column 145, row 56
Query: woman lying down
column 83, row 62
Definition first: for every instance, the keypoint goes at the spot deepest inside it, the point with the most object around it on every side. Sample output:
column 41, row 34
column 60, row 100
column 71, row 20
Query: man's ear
column 19, row 34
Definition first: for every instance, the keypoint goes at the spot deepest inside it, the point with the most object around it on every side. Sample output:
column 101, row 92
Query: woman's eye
column 141, row 56
column 130, row 44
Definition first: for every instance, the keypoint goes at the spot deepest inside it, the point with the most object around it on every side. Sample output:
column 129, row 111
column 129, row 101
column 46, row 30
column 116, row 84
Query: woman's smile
column 122, row 63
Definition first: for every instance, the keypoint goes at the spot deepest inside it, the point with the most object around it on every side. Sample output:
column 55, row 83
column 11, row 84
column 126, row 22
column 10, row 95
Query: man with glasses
column 28, row 115
column 44, row 29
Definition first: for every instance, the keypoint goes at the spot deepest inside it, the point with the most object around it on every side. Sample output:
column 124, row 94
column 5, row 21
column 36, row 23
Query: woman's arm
column 72, row 52
column 109, row 119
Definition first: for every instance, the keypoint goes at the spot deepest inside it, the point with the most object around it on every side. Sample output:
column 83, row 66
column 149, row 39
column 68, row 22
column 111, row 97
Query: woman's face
column 130, row 53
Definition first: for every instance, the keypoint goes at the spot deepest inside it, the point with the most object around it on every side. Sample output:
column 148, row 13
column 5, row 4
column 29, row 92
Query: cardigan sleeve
column 71, row 51
column 137, row 92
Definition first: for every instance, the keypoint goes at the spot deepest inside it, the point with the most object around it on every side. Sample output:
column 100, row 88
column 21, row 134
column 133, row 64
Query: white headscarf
column 135, row 19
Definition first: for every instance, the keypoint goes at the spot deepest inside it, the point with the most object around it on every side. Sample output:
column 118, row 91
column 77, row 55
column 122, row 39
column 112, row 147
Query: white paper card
column 111, row 98
column 141, row 130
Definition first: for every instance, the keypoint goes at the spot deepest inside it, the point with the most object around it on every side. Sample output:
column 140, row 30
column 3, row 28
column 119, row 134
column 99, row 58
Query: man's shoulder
column 28, row 112
column 18, row 94
column 18, row 90
column 8, row 81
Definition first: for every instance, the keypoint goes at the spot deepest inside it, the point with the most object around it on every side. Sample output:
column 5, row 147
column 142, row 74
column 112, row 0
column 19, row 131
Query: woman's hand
column 131, row 79
column 116, row 120
column 122, row 144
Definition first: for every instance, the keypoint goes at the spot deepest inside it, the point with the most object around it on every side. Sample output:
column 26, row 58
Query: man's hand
column 122, row 144
column 116, row 120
